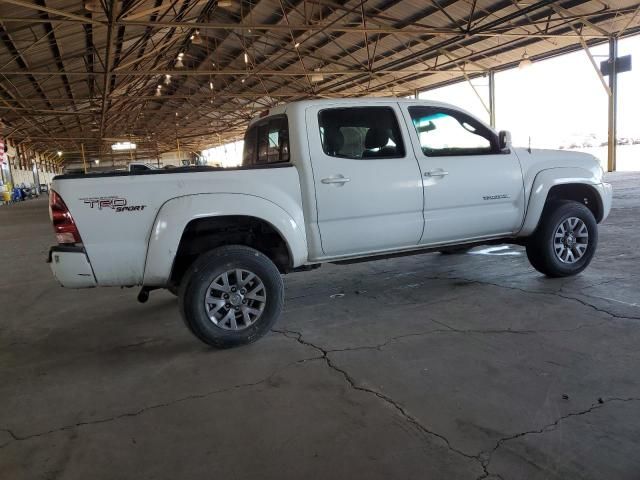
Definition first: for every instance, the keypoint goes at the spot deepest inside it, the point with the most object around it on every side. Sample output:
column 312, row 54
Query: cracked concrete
column 147, row 408
column 457, row 366
column 611, row 450
column 392, row 403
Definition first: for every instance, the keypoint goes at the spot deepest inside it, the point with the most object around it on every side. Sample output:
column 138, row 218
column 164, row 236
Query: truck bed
column 115, row 211
column 164, row 171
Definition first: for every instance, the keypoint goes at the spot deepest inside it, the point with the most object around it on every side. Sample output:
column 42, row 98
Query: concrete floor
column 459, row 366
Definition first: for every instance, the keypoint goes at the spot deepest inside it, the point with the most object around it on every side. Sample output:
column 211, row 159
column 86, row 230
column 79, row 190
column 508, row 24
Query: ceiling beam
column 54, row 11
column 106, row 80
column 227, row 72
column 368, row 29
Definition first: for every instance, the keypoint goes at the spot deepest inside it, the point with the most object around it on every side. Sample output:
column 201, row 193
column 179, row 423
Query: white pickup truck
column 323, row 181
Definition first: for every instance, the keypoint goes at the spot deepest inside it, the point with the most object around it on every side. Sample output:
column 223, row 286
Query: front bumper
column 70, row 265
column 606, row 194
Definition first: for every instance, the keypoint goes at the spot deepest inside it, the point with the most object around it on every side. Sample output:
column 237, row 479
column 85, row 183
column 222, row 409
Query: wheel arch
column 222, row 219
column 206, row 233
column 575, row 184
column 579, row 192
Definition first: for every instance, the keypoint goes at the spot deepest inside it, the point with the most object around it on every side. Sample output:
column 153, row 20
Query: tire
column 174, row 289
column 546, row 254
column 455, row 250
column 241, row 318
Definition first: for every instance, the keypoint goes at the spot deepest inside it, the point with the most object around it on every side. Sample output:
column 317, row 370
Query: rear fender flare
column 174, row 216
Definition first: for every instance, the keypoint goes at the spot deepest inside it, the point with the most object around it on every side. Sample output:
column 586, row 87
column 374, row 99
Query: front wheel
column 231, row 296
column 565, row 241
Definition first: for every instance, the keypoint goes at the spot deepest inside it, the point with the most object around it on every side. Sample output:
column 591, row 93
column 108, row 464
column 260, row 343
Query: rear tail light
column 63, row 224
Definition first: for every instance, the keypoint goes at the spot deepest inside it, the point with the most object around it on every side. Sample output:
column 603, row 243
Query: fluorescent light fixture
column 211, row 85
column 167, row 79
column 59, row 153
column 246, row 57
column 97, row 162
column 296, row 45
column 123, row 146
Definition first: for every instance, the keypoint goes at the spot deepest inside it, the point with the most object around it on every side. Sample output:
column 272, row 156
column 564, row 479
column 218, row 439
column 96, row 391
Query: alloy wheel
column 235, row 299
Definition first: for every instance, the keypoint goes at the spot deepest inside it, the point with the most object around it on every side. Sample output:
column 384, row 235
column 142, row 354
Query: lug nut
column 243, row 291
column 244, row 300
column 226, row 295
column 233, row 289
column 227, row 305
column 237, row 308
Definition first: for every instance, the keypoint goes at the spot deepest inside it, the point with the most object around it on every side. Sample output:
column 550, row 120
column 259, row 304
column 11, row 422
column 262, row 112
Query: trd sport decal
column 115, row 203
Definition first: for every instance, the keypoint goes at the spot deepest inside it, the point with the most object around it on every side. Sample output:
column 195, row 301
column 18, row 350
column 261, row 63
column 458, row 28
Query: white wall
column 26, row 176
column 172, row 158
column 20, row 175
column 226, row 155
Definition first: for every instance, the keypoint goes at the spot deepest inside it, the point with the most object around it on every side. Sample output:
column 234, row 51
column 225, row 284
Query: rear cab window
column 360, row 133
column 266, row 142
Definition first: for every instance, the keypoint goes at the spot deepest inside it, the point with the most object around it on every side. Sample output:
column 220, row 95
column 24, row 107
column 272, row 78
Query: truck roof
column 303, row 104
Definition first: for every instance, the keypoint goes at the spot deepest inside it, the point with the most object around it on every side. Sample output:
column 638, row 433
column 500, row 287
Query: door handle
column 436, row 173
column 339, row 180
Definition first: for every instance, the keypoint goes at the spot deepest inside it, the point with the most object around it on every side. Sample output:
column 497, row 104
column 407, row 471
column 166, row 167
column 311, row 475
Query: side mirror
column 504, row 140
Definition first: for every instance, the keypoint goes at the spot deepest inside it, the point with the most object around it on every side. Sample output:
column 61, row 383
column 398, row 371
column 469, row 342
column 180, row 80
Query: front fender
column 544, row 181
column 176, row 213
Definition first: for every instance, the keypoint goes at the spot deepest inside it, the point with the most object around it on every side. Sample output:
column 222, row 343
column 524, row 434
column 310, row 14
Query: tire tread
column 539, row 246
column 212, row 260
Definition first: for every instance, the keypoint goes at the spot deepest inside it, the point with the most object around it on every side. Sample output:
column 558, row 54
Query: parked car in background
column 141, row 167
column 323, row 181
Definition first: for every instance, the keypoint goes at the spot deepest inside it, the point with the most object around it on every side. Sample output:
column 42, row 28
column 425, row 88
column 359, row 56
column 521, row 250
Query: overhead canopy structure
column 81, row 75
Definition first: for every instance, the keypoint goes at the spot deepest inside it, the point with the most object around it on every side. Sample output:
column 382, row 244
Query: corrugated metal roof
column 89, row 72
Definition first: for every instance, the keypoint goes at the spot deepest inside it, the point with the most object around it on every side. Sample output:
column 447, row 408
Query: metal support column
column 6, row 149
column 84, row 160
column 492, row 99
column 613, row 104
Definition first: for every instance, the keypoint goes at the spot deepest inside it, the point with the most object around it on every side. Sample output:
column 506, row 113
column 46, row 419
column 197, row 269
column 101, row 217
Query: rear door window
column 360, row 133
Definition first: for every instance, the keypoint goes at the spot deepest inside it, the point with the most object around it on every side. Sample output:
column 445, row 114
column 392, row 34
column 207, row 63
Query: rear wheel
column 231, row 296
column 174, row 289
column 565, row 241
